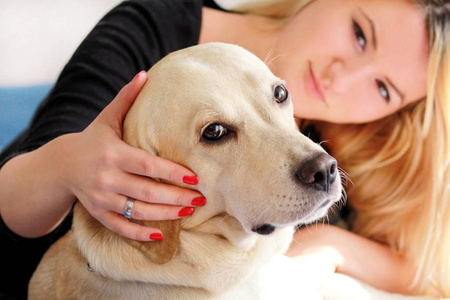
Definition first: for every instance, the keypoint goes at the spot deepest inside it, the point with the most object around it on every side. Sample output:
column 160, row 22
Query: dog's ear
column 159, row 252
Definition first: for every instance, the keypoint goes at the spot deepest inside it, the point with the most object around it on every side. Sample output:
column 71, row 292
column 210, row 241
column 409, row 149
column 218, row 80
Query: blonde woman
column 380, row 65
column 399, row 165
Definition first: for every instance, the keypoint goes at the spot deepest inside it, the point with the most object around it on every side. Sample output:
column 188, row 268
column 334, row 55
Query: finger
column 158, row 212
column 119, row 107
column 146, row 164
column 143, row 210
column 148, row 190
column 125, row 98
column 121, row 225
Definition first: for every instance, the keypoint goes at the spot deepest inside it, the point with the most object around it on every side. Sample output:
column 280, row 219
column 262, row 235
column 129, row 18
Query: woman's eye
column 214, row 132
column 280, row 93
column 382, row 89
column 359, row 35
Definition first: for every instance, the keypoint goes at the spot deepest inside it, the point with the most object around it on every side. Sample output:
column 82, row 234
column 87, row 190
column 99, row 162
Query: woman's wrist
column 318, row 239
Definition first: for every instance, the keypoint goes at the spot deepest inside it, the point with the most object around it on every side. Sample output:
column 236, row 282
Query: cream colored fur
column 248, row 179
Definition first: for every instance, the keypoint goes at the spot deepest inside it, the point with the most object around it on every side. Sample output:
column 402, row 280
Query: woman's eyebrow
column 372, row 27
column 374, row 42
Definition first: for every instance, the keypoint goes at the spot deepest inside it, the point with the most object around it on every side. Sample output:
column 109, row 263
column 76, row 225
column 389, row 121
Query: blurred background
column 37, row 38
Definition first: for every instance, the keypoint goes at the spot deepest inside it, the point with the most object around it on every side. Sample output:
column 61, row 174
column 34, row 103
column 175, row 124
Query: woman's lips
column 313, row 86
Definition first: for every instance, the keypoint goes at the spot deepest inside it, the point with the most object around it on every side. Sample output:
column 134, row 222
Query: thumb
column 119, row 107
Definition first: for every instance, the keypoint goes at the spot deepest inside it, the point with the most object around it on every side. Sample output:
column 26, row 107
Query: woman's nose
column 341, row 76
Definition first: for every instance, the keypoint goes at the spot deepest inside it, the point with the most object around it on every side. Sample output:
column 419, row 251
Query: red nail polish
column 138, row 74
column 186, row 211
column 199, row 201
column 156, row 236
column 191, row 180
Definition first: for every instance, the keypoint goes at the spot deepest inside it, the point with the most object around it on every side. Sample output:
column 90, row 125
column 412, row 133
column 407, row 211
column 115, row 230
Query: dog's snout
column 319, row 172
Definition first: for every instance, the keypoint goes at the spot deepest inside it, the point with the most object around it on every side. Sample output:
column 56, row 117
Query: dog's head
column 218, row 110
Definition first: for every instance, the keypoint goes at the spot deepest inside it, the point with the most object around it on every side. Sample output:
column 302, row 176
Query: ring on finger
column 128, row 207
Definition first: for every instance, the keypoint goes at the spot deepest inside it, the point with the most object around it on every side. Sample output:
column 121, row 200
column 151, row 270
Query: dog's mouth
column 314, row 214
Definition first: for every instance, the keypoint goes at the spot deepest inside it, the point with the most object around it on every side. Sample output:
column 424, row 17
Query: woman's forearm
column 38, row 189
column 33, row 200
column 361, row 258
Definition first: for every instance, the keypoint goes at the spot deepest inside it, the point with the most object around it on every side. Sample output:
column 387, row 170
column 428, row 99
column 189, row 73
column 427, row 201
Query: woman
column 399, row 164
column 341, row 69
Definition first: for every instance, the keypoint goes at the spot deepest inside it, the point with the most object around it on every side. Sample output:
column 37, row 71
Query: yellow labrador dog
column 218, row 110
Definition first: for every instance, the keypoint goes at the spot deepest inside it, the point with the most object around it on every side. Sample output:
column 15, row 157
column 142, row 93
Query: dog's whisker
column 205, row 114
column 269, row 54
column 204, row 102
column 322, row 222
column 324, row 142
column 345, row 177
column 269, row 63
column 263, row 212
column 221, row 221
column 279, row 203
column 295, row 240
column 307, row 228
column 344, row 198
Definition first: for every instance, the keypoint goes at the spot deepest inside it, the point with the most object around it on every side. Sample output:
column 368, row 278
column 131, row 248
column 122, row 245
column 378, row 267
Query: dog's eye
column 280, row 93
column 214, row 132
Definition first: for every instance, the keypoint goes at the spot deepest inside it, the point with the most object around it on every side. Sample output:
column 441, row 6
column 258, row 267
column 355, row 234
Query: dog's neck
column 221, row 236
column 224, row 226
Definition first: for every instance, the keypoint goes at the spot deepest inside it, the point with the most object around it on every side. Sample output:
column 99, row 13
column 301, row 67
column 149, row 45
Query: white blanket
column 288, row 279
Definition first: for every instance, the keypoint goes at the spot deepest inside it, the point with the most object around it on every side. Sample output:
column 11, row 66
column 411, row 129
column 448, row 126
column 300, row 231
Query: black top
column 130, row 38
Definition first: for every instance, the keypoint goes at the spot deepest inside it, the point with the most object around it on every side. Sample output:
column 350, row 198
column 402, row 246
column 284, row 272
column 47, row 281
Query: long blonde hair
column 400, row 165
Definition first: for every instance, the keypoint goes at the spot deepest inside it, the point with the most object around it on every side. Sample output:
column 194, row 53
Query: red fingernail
column 156, row 236
column 192, row 180
column 199, row 201
column 138, row 74
column 186, row 211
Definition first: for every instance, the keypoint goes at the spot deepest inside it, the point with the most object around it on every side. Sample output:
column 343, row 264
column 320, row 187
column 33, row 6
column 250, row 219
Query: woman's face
column 354, row 61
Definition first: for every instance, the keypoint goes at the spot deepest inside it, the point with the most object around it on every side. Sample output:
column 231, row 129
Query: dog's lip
column 313, row 85
column 325, row 203
column 320, row 209
column 306, row 218
column 264, row 229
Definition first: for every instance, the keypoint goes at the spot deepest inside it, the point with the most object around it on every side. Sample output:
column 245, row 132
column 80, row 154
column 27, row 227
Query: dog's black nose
column 319, row 172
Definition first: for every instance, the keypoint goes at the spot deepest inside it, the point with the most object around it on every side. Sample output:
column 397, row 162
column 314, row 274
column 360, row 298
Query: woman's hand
column 332, row 249
column 102, row 171
column 96, row 166
column 314, row 251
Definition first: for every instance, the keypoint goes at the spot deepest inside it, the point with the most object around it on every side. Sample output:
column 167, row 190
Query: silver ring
column 88, row 267
column 128, row 207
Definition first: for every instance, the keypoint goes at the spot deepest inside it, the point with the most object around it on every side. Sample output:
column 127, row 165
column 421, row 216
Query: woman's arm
column 72, row 153
column 356, row 256
column 38, row 189
column 32, row 200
